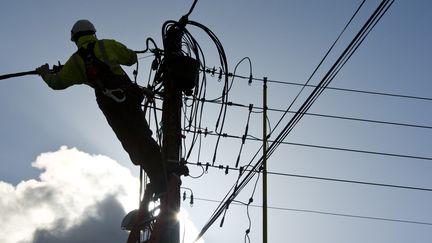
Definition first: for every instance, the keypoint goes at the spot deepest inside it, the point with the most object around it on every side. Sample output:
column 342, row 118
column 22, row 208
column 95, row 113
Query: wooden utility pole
column 171, row 128
column 264, row 168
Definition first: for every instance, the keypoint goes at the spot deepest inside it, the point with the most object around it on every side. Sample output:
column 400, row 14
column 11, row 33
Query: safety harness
column 101, row 77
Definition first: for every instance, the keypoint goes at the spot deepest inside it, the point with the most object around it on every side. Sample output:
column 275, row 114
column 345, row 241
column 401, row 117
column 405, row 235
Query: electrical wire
column 313, row 73
column 352, row 47
column 222, row 57
column 225, row 135
column 193, row 49
column 192, row 8
column 325, row 213
column 244, row 136
column 208, row 165
column 306, row 105
column 325, row 115
column 247, row 209
column 148, row 40
column 225, row 97
column 273, row 81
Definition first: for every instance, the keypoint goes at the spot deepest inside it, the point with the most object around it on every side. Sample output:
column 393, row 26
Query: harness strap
column 104, row 53
column 99, row 72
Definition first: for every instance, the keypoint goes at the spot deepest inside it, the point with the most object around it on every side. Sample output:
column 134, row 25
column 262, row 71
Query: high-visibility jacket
column 73, row 72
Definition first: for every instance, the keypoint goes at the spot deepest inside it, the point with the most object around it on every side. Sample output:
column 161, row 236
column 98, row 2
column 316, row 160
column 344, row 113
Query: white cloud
column 68, row 191
column 78, row 197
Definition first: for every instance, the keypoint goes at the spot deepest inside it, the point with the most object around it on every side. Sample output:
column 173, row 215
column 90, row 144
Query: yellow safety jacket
column 73, row 72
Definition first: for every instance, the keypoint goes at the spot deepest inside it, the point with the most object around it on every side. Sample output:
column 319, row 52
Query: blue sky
column 285, row 41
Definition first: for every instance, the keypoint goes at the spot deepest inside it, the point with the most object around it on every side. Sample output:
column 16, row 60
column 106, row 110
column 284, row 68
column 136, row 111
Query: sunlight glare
column 188, row 230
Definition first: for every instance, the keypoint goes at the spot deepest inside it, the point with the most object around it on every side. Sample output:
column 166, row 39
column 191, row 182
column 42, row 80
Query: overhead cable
column 324, row 213
column 226, row 135
column 324, row 115
column 330, row 88
column 381, row 10
column 222, row 167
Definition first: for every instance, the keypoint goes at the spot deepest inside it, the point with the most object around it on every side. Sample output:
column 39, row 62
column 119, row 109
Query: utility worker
column 97, row 64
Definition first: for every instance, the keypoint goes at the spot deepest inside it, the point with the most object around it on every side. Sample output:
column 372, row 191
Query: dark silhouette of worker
column 97, row 64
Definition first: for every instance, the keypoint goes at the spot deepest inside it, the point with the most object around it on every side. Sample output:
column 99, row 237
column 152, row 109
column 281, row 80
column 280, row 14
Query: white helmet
column 80, row 28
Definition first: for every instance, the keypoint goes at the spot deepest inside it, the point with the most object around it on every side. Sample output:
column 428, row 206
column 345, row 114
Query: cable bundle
column 330, row 75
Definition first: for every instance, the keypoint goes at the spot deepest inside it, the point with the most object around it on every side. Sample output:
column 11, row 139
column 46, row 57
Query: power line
column 352, row 181
column 324, row 213
column 321, row 146
column 330, row 88
column 359, row 151
column 227, row 168
column 322, row 115
column 343, row 58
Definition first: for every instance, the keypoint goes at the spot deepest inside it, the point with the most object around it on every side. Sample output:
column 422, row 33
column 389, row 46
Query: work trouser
column 128, row 122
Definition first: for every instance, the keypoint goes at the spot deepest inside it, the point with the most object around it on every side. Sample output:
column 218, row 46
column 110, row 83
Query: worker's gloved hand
column 43, row 70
